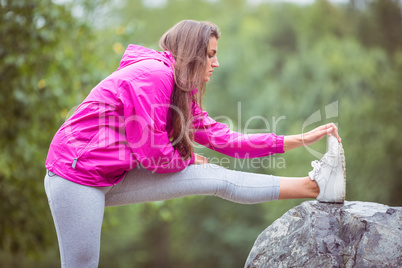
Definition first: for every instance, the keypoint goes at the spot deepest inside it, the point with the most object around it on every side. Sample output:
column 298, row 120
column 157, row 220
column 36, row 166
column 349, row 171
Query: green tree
column 379, row 24
column 44, row 51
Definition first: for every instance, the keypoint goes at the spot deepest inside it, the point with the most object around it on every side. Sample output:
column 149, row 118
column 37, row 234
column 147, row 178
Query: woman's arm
column 291, row 142
column 306, row 139
column 218, row 137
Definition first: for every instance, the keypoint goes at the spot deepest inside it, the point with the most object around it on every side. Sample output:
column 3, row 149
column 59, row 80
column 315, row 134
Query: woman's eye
column 210, row 56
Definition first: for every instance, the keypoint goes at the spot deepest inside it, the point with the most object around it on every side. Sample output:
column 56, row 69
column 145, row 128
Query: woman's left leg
column 77, row 212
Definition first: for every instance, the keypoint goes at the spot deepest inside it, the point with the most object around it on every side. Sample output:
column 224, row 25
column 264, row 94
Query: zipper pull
column 74, row 163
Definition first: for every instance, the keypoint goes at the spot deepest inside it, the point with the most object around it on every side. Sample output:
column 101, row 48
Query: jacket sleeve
column 220, row 138
column 146, row 101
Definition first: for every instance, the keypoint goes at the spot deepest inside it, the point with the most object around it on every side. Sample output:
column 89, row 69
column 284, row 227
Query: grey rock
column 313, row 234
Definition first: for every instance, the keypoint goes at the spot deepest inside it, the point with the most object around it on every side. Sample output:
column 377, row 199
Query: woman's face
column 212, row 60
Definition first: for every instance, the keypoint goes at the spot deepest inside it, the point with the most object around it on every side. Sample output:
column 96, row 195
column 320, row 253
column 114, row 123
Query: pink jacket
column 124, row 122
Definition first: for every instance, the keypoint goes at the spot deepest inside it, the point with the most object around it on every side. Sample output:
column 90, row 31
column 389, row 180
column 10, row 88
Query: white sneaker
column 330, row 173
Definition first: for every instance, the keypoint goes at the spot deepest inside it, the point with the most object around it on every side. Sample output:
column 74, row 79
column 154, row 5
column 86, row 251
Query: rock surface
column 313, row 234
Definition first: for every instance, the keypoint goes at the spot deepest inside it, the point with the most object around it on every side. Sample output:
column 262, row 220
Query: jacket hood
column 136, row 53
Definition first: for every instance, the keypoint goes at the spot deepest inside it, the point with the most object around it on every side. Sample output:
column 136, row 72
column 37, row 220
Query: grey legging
column 77, row 210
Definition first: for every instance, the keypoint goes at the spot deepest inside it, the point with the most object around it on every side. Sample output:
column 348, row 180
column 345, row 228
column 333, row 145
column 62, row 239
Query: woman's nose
column 215, row 63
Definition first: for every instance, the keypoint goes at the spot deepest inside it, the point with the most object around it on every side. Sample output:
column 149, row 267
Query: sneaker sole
column 341, row 182
column 344, row 171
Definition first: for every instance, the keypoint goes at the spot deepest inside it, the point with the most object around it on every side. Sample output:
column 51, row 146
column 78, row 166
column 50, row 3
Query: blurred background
column 288, row 62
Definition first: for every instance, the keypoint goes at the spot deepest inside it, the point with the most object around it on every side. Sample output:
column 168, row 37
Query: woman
column 128, row 140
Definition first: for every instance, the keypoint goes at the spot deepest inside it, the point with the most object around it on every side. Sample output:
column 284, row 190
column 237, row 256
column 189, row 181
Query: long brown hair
column 188, row 42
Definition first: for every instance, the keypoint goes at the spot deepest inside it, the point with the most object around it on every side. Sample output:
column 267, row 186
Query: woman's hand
column 319, row 133
column 199, row 159
column 306, row 139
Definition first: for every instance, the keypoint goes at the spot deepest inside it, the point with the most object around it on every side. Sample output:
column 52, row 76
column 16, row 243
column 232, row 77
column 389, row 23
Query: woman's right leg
column 77, row 212
column 294, row 188
column 141, row 185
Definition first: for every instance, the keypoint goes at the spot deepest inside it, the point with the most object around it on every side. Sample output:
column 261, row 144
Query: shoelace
column 318, row 164
column 316, row 168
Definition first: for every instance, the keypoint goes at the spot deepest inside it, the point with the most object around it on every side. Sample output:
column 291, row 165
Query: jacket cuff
column 279, row 144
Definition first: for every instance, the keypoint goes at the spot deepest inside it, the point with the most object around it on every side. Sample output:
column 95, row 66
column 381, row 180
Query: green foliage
column 279, row 61
column 44, row 52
